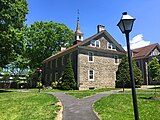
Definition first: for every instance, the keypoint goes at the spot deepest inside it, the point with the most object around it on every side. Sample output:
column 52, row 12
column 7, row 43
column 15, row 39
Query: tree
column 68, row 81
column 123, row 74
column 12, row 17
column 154, row 70
column 42, row 39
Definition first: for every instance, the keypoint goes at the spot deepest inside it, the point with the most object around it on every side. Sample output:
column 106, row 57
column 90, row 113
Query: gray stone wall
column 50, row 68
column 104, row 70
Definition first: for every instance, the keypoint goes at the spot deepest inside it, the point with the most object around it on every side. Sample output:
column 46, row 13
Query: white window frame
column 98, row 43
column 116, row 57
column 89, row 56
column 111, row 45
column 93, row 43
column 90, row 74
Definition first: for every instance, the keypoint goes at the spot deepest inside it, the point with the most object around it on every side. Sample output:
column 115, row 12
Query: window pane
column 97, row 43
column 113, row 46
column 110, row 46
column 90, row 56
column 116, row 58
column 91, row 74
column 92, row 43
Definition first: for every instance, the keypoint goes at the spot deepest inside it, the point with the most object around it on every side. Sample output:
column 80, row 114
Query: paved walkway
column 79, row 109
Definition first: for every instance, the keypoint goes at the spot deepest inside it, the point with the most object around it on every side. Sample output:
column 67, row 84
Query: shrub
column 67, row 81
column 123, row 74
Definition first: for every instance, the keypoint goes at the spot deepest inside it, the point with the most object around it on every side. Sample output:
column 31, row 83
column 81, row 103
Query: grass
column 146, row 90
column 94, row 90
column 120, row 107
column 27, row 106
column 81, row 95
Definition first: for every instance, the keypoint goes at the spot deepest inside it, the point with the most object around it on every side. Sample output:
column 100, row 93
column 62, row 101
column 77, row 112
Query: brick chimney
column 100, row 28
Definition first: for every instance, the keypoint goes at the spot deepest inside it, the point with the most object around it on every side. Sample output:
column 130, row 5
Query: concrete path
column 79, row 109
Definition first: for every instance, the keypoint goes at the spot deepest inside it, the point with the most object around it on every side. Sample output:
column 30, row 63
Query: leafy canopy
column 12, row 17
column 42, row 39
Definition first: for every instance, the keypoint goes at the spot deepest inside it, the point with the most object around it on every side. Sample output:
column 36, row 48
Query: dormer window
column 111, row 46
column 95, row 43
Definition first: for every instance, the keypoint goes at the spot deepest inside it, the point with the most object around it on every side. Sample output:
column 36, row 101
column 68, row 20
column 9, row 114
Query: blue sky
column 146, row 28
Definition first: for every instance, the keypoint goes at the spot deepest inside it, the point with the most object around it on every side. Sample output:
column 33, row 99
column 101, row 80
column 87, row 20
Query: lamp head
column 126, row 23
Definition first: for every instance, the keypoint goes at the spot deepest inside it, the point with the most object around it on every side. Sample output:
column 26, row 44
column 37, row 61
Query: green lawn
column 94, row 90
column 120, row 107
column 27, row 106
column 81, row 95
column 145, row 90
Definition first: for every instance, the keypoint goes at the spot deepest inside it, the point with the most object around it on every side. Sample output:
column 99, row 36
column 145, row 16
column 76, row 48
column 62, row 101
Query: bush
column 123, row 74
column 39, row 85
column 67, row 82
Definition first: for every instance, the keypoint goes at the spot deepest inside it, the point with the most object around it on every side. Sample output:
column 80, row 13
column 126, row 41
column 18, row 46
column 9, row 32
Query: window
column 63, row 60
column 116, row 58
column 56, row 63
column 95, row 43
column 56, row 76
column 51, row 65
column 51, row 77
column 90, row 56
column 91, row 75
column 111, row 46
column 92, row 43
column 46, row 77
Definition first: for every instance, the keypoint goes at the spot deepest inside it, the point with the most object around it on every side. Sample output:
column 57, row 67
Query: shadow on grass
column 2, row 91
column 155, row 87
column 148, row 98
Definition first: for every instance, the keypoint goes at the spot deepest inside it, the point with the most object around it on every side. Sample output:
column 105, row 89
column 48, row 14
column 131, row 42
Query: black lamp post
column 125, row 25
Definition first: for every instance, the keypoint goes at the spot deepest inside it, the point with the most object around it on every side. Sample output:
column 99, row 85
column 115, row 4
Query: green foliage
column 42, row 39
column 68, row 81
column 39, row 85
column 154, row 68
column 123, row 74
column 12, row 17
column 54, row 84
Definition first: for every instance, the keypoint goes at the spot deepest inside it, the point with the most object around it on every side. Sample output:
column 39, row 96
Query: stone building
column 142, row 56
column 95, row 60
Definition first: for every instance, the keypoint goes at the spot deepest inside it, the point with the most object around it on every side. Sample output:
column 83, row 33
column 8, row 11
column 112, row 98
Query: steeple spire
column 78, row 33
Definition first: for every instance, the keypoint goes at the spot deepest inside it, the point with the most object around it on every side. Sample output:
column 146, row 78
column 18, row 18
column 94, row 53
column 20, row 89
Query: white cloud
column 137, row 42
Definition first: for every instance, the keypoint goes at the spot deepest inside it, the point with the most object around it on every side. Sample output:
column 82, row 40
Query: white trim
column 111, row 45
column 89, row 75
column 94, row 42
column 89, row 56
